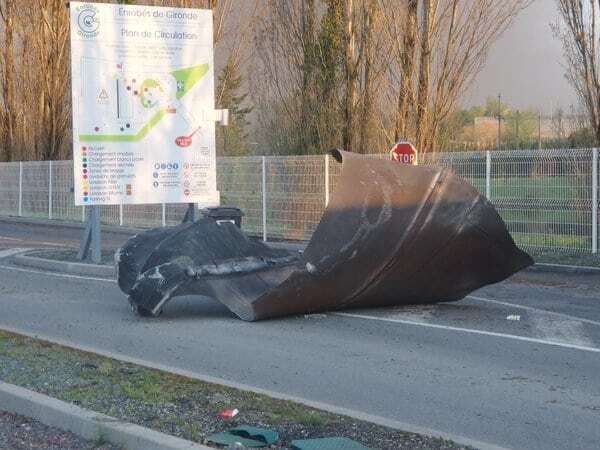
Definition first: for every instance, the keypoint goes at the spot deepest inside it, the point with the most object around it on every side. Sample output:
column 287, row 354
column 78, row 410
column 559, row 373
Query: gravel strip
column 22, row 433
column 70, row 255
column 176, row 405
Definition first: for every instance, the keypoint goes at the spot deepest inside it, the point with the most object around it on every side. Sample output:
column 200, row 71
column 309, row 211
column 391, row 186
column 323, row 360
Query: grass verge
column 176, row 405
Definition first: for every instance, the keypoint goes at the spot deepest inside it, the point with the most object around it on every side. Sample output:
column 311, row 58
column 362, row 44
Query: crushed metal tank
column 392, row 234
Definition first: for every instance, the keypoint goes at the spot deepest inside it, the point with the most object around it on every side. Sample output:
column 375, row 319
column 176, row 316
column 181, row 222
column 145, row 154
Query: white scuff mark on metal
column 118, row 255
column 166, row 296
column 242, row 265
column 156, row 275
column 385, row 214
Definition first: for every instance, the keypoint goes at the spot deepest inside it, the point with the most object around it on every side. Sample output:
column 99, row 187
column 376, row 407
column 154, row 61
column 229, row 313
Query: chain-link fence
column 548, row 198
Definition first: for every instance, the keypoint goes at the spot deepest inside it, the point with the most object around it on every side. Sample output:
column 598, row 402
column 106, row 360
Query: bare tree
column 369, row 18
column 51, row 49
column 440, row 46
column 351, row 76
column 579, row 34
column 7, row 112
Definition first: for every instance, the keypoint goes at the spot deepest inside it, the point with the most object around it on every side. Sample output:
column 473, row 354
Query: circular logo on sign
column 88, row 21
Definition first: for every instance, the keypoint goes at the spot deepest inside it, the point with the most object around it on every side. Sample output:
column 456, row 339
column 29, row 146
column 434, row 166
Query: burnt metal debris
column 392, row 234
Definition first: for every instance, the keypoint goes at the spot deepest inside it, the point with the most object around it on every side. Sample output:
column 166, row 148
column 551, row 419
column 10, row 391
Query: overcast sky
column 526, row 64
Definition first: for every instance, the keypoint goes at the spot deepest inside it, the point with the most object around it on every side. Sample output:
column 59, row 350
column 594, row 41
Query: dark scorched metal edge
column 392, row 234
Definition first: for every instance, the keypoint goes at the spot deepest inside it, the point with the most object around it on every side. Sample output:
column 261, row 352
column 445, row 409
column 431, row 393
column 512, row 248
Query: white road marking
column 472, row 331
column 381, row 319
column 60, row 275
column 537, row 310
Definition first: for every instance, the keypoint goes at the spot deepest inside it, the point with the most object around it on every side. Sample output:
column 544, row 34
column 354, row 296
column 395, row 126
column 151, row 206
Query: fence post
column 120, row 214
column 595, row 201
column 50, row 189
column 326, row 180
column 488, row 175
column 20, row 188
column 164, row 215
column 264, row 198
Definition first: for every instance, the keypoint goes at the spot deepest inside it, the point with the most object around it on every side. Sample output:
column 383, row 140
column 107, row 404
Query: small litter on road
column 513, row 317
column 315, row 316
column 334, row 443
column 229, row 413
column 245, row 435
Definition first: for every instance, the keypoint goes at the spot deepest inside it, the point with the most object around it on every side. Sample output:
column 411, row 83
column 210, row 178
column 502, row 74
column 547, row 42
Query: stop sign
column 404, row 152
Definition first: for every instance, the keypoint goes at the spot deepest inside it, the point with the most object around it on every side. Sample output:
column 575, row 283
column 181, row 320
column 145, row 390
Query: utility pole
column 517, row 129
column 499, row 119
column 539, row 130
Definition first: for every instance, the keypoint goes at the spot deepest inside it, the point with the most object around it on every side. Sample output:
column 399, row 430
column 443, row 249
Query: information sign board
column 143, row 105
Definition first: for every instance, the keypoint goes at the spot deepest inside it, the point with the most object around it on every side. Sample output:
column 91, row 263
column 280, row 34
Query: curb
column 87, row 424
column 360, row 415
column 73, row 268
column 562, row 268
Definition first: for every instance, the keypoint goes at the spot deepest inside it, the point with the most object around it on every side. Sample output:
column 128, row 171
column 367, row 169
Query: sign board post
column 404, row 152
column 143, row 105
column 90, row 241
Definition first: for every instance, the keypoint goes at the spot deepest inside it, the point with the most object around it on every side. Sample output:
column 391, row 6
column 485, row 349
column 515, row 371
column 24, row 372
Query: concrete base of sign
column 392, row 234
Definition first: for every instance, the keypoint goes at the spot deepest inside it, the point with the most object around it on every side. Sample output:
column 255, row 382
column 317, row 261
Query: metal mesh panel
column 469, row 165
column 9, row 189
column 174, row 213
column 141, row 216
column 35, row 188
column 239, row 181
column 295, row 196
column 63, row 202
column 545, row 197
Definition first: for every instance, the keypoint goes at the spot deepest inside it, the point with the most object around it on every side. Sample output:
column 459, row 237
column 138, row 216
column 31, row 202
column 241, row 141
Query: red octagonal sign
column 404, row 152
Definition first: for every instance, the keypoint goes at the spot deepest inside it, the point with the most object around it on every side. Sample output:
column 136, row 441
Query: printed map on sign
column 143, row 105
column 130, row 103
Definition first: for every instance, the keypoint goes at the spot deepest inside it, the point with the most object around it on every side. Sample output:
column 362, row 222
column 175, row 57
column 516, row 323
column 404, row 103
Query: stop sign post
column 404, row 152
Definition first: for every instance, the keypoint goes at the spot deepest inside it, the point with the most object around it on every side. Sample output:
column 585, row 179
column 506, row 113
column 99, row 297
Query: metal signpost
column 143, row 109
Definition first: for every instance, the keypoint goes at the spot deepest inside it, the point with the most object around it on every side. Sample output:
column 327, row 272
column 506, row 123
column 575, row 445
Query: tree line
column 299, row 76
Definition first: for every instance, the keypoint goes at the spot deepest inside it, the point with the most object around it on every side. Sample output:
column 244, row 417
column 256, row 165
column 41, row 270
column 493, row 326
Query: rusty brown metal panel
column 392, row 234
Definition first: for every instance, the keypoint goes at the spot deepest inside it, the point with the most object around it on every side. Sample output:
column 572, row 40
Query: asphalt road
column 38, row 234
column 468, row 368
